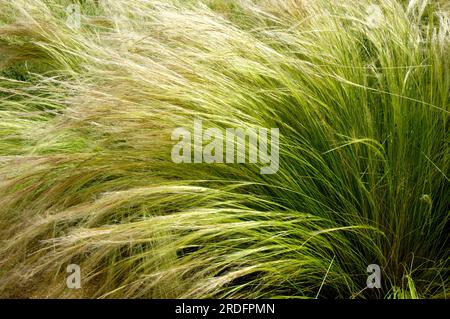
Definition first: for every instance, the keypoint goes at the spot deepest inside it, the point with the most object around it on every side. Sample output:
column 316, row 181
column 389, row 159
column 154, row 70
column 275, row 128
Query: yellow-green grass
column 86, row 176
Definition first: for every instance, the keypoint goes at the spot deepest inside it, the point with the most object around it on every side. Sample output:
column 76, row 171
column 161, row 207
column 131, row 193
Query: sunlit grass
column 86, row 177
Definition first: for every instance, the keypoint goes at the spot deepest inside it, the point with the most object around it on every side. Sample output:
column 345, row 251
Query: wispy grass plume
column 359, row 90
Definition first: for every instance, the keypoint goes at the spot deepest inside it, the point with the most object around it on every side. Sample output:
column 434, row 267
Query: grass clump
column 86, row 175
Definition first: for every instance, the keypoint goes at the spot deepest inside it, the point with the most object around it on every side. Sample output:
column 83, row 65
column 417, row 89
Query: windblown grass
column 86, row 176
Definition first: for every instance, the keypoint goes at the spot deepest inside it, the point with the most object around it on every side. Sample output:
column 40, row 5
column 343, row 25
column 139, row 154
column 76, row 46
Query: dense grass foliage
column 86, row 175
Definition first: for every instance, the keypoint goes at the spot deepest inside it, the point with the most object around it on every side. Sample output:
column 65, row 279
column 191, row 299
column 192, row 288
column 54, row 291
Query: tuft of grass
column 86, row 176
